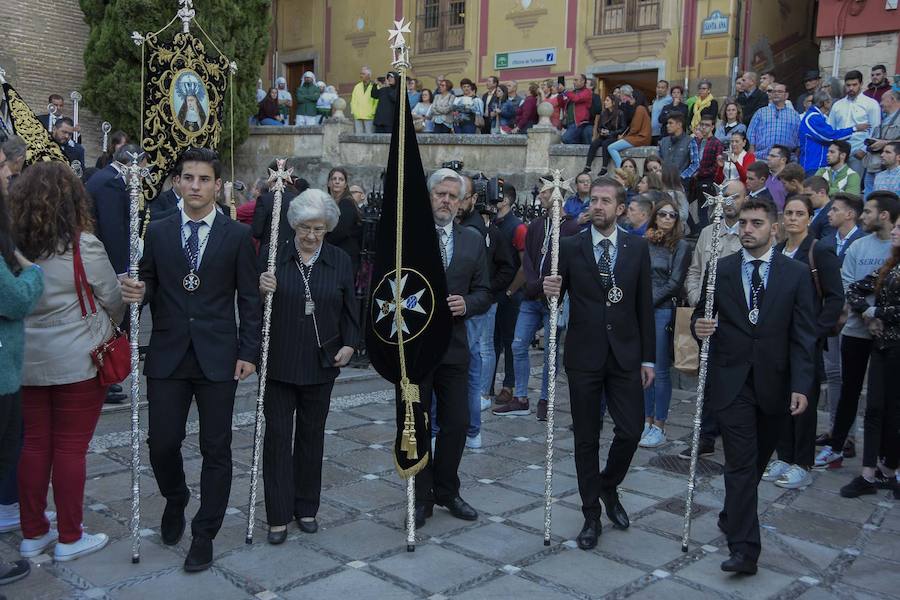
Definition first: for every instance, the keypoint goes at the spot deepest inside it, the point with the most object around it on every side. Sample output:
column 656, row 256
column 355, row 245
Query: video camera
column 488, row 191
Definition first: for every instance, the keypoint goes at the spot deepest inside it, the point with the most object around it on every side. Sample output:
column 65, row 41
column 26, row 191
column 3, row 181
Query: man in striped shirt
column 777, row 123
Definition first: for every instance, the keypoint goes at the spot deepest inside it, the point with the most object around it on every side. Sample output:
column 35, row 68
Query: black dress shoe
column 200, row 556
column 423, row 511
column 614, row 509
column 739, row 563
column 172, row 526
column 115, row 388
column 277, row 537
column 587, row 538
column 307, row 526
column 114, row 398
column 460, row 509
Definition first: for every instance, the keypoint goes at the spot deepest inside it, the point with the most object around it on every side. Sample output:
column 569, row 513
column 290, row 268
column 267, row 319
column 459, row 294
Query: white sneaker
column 473, row 441
column 828, row 459
column 9, row 517
column 794, row 478
column 485, row 403
column 89, row 542
column 644, row 433
column 775, row 469
column 29, row 548
column 654, row 438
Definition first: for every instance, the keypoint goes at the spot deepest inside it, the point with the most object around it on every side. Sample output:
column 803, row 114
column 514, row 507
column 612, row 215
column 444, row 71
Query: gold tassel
column 410, row 395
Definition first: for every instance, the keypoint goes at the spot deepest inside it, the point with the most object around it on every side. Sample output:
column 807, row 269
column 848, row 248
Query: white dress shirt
column 747, row 271
column 202, row 233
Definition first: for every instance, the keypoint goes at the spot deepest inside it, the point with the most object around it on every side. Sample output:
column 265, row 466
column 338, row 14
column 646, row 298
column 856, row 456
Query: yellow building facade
column 613, row 41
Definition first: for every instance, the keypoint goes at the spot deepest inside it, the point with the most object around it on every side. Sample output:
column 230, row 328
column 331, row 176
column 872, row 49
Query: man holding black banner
column 468, row 288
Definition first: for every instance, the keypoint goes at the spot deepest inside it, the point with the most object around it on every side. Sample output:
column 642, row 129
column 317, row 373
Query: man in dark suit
column 490, row 101
column 262, row 213
column 843, row 215
column 62, row 135
column 760, row 367
column 468, row 286
column 757, row 175
column 110, row 207
column 610, row 349
column 194, row 264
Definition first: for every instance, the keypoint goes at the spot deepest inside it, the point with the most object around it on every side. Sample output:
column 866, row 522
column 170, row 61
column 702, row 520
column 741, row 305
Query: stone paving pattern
column 816, row 545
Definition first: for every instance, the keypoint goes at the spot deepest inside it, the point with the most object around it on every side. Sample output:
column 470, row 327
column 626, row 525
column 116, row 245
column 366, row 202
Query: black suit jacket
column 764, row 194
column 164, row 205
column 467, row 276
column 829, row 306
column 205, row 318
column 820, row 227
column 596, row 325
column 111, row 204
column 752, row 103
column 293, row 348
column 829, row 241
column 262, row 213
column 74, row 152
column 779, row 349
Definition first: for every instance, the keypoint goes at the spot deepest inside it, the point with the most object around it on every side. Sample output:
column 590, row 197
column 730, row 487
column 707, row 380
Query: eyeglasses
column 667, row 214
column 305, row 230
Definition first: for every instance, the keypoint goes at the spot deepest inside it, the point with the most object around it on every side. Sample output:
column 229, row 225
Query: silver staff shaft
column 76, row 99
column 718, row 201
column 134, row 174
column 551, row 367
column 276, row 180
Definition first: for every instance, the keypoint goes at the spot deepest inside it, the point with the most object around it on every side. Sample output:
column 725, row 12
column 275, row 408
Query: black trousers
column 882, row 417
column 439, row 480
column 624, row 397
column 797, row 442
column 601, row 144
column 504, row 332
column 169, row 402
column 292, row 470
column 748, row 439
column 854, row 361
column 10, row 431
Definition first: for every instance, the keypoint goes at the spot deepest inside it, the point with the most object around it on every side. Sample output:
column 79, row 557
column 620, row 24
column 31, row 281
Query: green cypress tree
column 240, row 28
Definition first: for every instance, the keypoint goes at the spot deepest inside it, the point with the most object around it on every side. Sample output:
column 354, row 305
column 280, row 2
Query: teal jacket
column 307, row 95
column 18, row 295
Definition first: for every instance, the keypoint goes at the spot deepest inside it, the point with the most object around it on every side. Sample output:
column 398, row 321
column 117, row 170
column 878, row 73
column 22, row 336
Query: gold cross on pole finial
column 558, row 185
column 278, row 176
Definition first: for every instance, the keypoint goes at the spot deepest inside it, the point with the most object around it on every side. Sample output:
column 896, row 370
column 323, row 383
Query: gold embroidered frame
column 173, row 73
column 40, row 146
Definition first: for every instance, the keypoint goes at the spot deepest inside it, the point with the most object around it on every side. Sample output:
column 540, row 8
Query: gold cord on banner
column 141, row 40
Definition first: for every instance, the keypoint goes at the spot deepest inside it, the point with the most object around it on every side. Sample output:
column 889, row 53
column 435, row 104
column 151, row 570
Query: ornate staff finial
column 186, row 13
column 2, row 75
column 399, row 48
column 137, row 38
column 232, row 66
column 557, row 184
column 279, row 175
column 713, row 199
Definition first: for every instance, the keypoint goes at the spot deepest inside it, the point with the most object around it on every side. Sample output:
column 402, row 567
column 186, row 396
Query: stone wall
column 861, row 52
column 41, row 50
column 313, row 151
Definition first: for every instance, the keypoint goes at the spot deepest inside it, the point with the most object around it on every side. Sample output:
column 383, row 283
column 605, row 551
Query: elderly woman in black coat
column 314, row 329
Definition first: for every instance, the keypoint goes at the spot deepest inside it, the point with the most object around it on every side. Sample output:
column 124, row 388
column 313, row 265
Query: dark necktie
column 605, row 264
column 192, row 247
column 756, row 283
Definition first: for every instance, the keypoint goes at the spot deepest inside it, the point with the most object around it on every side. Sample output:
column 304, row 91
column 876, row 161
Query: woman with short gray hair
column 314, row 329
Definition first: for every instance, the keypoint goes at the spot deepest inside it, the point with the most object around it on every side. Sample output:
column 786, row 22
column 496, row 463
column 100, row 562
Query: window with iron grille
column 443, row 25
column 621, row 16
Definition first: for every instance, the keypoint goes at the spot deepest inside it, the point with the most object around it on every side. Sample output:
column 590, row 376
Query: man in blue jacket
column 816, row 134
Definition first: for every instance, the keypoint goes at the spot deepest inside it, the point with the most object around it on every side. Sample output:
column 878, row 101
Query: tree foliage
column 112, row 89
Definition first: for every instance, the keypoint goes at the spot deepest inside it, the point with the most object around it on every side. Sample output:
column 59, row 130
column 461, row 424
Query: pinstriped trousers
column 293, row 447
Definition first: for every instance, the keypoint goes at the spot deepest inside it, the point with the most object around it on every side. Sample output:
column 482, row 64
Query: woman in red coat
column 733, row 163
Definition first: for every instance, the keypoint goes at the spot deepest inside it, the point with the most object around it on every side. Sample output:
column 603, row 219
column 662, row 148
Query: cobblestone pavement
column 816, row 545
